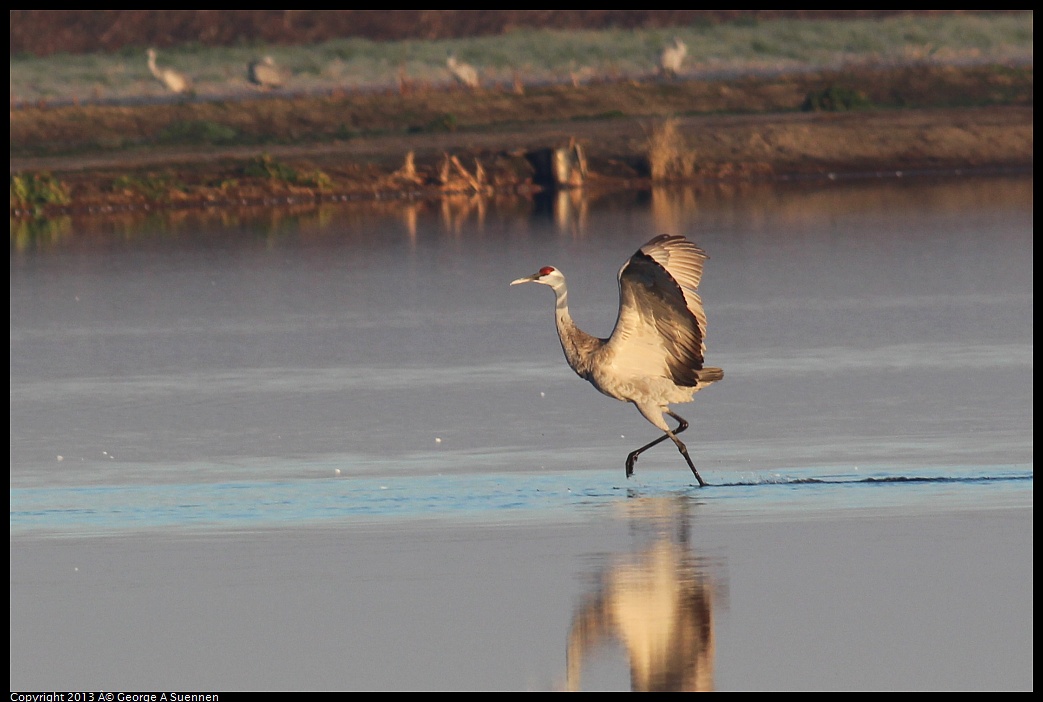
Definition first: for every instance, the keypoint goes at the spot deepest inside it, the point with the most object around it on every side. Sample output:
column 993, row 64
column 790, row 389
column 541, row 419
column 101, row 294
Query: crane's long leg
column 672, row 435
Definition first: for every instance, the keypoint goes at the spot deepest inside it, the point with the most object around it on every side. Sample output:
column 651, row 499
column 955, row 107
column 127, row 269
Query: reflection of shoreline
column 797, row 205
column 659, row 604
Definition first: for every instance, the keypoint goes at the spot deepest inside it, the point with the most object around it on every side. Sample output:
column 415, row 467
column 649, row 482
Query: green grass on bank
column 539, row 56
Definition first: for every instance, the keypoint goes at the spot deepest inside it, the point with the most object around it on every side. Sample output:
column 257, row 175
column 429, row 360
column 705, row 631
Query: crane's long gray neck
column 576, row 343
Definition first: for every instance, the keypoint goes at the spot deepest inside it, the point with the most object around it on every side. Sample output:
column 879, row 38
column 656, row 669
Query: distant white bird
column 176, row 82
column 579, row 76
column 265, row 73
column 673, row 57
column 654, row 356
column 463, row 72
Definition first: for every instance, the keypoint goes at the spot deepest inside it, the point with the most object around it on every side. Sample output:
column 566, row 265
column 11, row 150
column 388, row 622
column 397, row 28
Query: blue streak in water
column 253, row 505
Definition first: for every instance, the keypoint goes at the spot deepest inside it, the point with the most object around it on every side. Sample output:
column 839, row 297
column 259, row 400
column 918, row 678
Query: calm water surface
column 204, row 375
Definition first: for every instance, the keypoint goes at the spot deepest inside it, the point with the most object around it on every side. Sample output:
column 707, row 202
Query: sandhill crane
column 654, row 356
column 465, row 73
column 672, row 58
column 176, row 82
column 265, row 74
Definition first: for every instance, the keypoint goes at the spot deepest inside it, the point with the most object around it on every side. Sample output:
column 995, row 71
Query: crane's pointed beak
column 526, row 279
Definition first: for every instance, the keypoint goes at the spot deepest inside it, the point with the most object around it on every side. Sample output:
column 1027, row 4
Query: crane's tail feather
column 709, row 375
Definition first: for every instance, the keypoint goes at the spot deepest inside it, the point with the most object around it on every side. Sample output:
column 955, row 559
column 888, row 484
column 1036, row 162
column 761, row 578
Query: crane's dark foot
column 631, row 460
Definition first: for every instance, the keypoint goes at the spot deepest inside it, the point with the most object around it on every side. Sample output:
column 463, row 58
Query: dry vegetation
column 670, row 157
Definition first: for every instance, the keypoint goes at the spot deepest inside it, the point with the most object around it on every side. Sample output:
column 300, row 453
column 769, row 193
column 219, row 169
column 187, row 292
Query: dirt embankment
column 425, row 143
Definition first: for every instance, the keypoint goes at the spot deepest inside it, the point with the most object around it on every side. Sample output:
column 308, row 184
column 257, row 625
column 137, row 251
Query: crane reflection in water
column 657, row 601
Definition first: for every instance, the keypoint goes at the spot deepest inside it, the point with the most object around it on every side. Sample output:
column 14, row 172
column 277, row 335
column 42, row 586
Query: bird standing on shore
column 265, row 74
column 672, row 58
column 176, row 82
column 654, row 356
column 465, row 73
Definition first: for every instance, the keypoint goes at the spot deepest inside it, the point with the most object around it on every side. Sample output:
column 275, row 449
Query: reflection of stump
column 560, row 168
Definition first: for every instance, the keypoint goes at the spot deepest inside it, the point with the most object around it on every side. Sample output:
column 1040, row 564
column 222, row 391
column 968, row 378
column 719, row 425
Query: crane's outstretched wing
column 661, row 325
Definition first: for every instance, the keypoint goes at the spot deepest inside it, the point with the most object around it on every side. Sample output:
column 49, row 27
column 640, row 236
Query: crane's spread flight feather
column 661, row 317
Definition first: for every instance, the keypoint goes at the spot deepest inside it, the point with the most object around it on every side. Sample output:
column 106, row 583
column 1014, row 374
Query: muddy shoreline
column 492, row 143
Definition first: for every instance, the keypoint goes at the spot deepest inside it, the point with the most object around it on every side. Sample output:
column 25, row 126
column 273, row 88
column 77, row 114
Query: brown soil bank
column 424, row 143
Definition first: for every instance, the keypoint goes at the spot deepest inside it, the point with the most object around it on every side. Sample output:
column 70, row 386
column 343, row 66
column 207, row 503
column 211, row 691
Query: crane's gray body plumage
column 265, row 73
column 176, row 82
column 465, row 73
column 672, row 58
column 654, row 356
